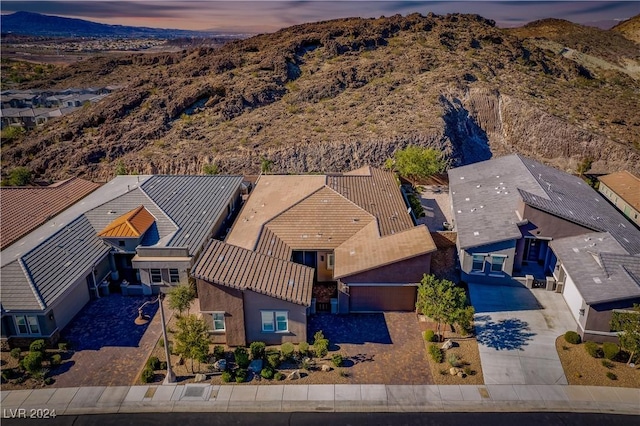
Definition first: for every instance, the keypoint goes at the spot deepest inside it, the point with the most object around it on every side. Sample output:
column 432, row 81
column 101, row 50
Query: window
column 156, row 276
column 174, row 276
column 27, row 324
column 275, row 321
column 330, row 260
column 497, row 263
column 121, row 243
column 218, row 321
column 478, row 263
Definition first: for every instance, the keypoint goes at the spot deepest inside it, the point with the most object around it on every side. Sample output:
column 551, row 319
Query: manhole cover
column 194, row 391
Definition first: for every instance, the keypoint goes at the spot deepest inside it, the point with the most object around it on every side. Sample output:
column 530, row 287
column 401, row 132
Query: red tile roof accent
column 23, row 209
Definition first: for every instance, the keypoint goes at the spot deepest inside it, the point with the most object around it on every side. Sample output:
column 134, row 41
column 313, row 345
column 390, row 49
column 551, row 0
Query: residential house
column 337, row 243
column 515, row 217
column 135, row 234
column 622, row 189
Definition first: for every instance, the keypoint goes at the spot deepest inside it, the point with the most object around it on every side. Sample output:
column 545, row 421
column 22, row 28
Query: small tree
column 265, row 165
column 180, row 298
column 192, row 339
column 20, row 176
column 627, row 323
column 415, row 162
column 440, row 300
column 120, row 168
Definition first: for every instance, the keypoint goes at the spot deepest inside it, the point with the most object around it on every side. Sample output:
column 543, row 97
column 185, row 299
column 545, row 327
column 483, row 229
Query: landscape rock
column 294, row 375
column 447, row 345
column 220, row 365
column 453, row 371
column 255, row 366
column 200, row 378
column 461, row 374
column 326, row 368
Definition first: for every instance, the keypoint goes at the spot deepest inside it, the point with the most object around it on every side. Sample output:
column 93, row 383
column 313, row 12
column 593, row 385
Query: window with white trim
column 275, row 321
column 478, row 263
column 27, row 324
column 497, row 263
column 218, row 321
column 156, row 275
column 330, row 261
column 174, row 275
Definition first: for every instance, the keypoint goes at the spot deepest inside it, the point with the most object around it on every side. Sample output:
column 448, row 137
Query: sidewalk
column 324, row 398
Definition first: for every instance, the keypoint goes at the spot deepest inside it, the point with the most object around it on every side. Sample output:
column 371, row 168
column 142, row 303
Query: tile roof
column 25, row 208
column 599, row 267
column 485, row 197
column 365, row 251
column 17, row 291
column 243, row 269
column 131, row 224
column 626, row 185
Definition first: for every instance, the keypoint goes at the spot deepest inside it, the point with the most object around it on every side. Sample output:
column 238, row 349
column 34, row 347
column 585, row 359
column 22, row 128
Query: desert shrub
column 343, row 373
column 241, row 375
column 572, row 337
column 278, row 376
column 611, row 375
column 320, row 344
column 468, row 371
column 287, row 350
column 303, row 349
column 63, row 346
column 161, row 342
column 218, row 352
column 163, row 365
column 464, row 320
column 48, row 381
column 257, row 350
column 336, row 359
column 16, row 353
column 32, row 362
column 37, row 346
column 273, row 360
column 267, row 373
column 593, row 349
column 436, row 353
column 153, row 363
column 227, row 376
column 56, row 359
column 147, row 375
column 453, row 360
column 607, row 364
column 241, row 356
column 307, row 363
column 429, row 336
column 610, row 350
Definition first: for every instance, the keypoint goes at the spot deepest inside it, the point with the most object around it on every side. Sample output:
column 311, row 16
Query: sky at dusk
column 266, row 16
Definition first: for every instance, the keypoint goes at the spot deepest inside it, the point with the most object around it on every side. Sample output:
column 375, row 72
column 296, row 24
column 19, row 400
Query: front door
column 533, row 250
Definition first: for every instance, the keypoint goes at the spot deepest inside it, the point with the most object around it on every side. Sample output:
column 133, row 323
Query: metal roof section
column 599, row 266
column 62, row 259
column 243, row 269
column 569, row 197
column 193, row 203
column 485, row 198
column 626, row 185
column 132, row 224
column 366, row 250
column 118, row 186
column 17, row 292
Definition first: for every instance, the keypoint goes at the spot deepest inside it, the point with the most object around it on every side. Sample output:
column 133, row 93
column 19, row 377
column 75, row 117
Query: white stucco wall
column 574, row 300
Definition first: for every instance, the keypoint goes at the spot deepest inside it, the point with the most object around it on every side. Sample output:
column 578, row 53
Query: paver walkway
column 109, row 349
column 516, row 330
column 382, row 348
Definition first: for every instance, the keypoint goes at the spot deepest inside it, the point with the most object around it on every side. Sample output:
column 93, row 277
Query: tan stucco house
column 338, row 243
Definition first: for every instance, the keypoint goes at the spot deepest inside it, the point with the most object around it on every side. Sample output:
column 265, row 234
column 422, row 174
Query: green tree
column 20, row 176
column 627, row 324
column 210, row 169
column 440, row 300
column 192, row 339
column 416, row 163
column 180, row 297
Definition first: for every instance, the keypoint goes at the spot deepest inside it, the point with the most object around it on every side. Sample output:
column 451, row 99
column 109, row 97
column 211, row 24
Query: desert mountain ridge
column 336, row 95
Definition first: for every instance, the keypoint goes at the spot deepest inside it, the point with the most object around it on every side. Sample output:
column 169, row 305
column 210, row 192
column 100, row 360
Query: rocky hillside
column 629, row 28
column 339, row 94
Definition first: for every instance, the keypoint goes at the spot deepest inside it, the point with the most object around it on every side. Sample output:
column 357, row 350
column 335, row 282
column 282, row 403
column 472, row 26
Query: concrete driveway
column 516, row 330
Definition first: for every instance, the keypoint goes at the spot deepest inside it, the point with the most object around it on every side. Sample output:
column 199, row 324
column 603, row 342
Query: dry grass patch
column 464, row 355
column 583, row 369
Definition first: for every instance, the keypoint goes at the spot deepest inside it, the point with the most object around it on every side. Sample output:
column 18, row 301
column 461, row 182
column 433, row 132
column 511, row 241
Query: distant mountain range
column 35, row 24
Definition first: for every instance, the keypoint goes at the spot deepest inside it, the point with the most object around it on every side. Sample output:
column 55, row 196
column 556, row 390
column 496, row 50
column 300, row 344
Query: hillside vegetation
column 339, row 94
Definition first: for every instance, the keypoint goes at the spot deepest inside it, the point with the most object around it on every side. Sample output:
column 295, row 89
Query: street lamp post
column 142, row 319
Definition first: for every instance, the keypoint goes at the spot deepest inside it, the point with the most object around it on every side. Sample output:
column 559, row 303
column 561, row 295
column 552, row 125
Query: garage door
column 379, row 298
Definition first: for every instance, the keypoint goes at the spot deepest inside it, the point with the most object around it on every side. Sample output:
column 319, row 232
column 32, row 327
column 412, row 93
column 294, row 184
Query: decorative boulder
column 461, row 374
column 220, row 365
column 256, row 366
column 200, row 378
column 453, row 371
column 326, row 368
column 294, row 375
column 447, row 345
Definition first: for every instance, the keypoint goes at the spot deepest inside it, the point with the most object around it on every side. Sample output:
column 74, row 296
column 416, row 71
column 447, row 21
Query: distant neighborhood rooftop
column 626, row 185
